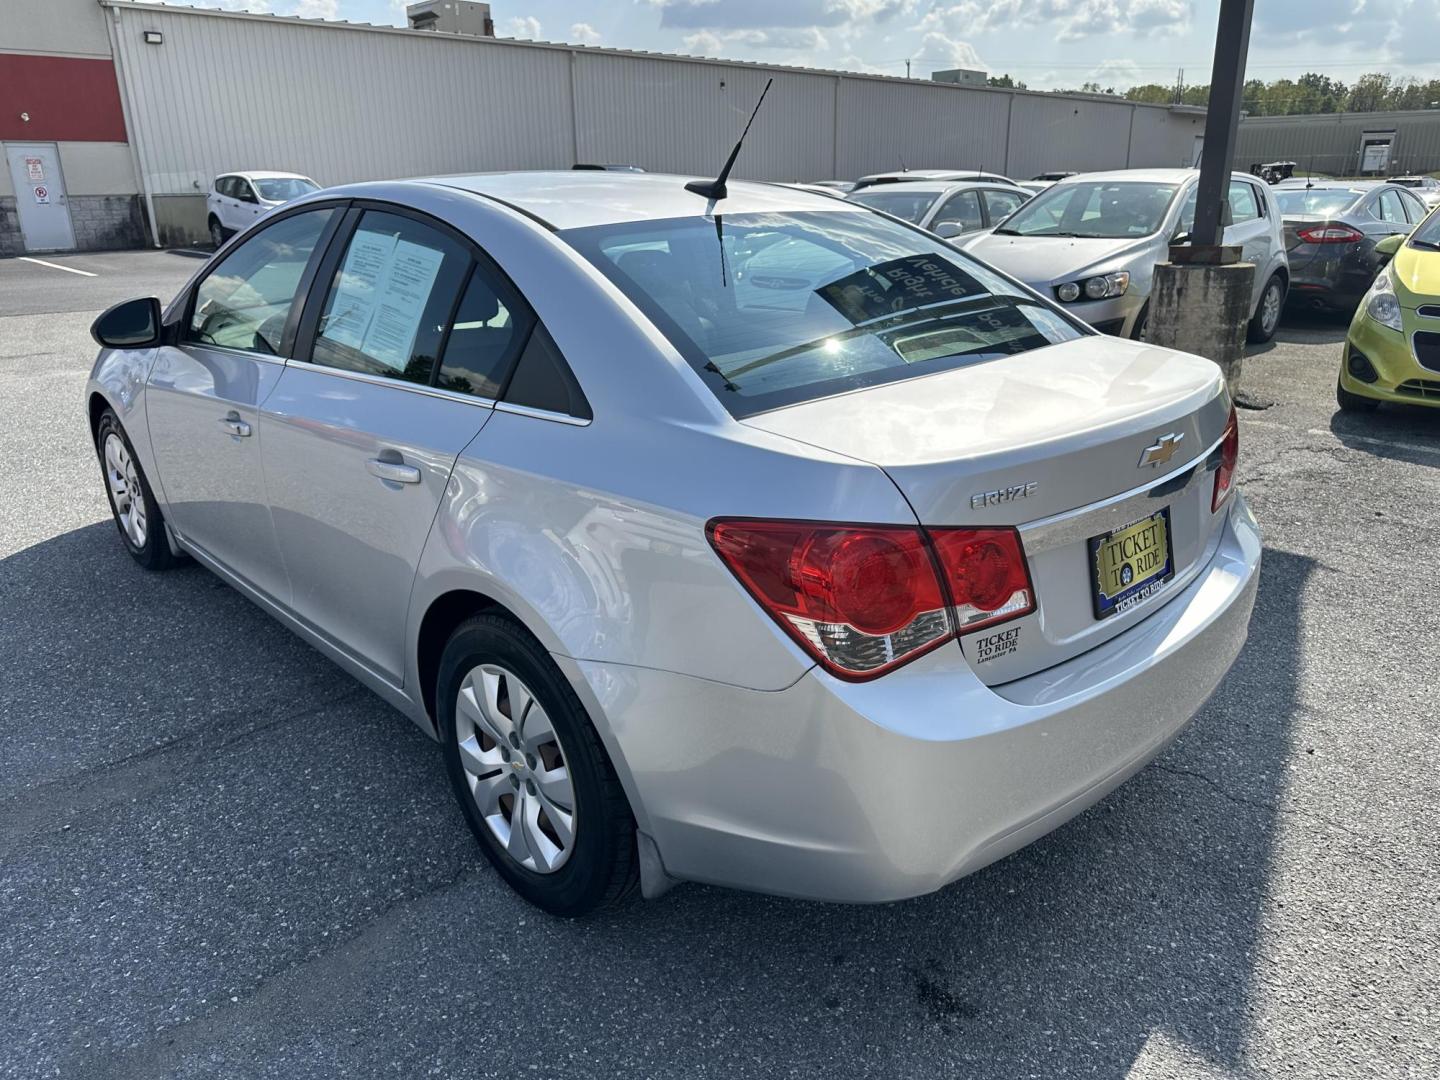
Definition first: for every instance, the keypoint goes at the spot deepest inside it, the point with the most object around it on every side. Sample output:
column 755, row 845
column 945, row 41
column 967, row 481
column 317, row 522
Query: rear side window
column 543, row 379
column 1242, row 206
column 245, row 301
column 776, row 308
column 391, row 299
column 483, row 341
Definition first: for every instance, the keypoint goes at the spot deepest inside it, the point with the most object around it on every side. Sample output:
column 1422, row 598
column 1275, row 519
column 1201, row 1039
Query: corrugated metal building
column 1344, row 144
column 207, row 91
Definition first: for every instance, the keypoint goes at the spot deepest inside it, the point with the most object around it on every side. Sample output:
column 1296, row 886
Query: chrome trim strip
column 395, row 384
column 1071, row 526
column 540, row 414
column 247, row 354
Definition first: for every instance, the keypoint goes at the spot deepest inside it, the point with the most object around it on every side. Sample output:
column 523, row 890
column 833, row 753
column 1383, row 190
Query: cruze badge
column 1161, row 451
column 982, row 499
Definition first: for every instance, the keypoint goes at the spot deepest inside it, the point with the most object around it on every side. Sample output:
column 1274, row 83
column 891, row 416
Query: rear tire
column 518, row 745
column 1353, row 403
column 137, row 514
column 1266, row 319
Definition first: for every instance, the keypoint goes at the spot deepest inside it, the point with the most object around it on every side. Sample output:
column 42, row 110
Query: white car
column 1425, row 188
column 235, row 200
column 946, row 209
column 905, row 176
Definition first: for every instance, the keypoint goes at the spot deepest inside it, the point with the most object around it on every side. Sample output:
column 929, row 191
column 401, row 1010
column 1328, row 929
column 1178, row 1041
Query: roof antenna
column 715, row 189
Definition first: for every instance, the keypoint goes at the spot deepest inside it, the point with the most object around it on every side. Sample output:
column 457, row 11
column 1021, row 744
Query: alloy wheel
column 1270, row 307
column 515, row 768
column 125, row 490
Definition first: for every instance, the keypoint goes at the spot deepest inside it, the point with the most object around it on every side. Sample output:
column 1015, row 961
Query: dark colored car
column 1331, row 229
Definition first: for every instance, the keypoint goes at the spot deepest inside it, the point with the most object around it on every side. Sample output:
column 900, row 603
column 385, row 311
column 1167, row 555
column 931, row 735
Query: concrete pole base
column 1203, row 309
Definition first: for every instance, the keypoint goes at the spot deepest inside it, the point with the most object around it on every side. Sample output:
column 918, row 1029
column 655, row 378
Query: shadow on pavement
column 215, row 846
column 1400, row 432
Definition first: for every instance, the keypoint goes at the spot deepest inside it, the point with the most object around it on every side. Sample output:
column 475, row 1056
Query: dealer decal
column 997, row 645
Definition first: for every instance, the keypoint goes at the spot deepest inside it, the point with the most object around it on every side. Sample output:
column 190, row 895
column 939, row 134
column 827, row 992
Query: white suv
column 235, row 200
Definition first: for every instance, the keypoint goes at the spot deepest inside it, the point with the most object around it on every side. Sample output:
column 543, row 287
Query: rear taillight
column 1329, row 234
column 985, row 575
column 864, row 599
column 1229, row 454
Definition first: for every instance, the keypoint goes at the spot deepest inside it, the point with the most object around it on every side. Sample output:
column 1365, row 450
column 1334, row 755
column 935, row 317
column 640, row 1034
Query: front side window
column 909, row 205
column 391, row 298
column 245, row 302
column 771, row 309
column 1414, row 209
column 1001, row 204
column 1427, row 233
column 1112, row 209
column 961, row 209
column 282, row 189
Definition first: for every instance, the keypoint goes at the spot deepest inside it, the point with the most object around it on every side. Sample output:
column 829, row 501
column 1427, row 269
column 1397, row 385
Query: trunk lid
column 1049, row 441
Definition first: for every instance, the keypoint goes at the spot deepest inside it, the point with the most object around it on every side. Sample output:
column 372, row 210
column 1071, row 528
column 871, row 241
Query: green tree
column 1369, row 94
column 1151, row 94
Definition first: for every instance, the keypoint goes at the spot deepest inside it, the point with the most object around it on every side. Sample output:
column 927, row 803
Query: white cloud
column 713, row 43
column 526, row 27
column 940, row 51
column 1121, row 74
column 317, row 9
column 582, row 34
column 1073, row 19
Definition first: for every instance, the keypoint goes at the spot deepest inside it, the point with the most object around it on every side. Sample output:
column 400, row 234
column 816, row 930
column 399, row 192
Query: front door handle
column 235, row 425
column 393, row 471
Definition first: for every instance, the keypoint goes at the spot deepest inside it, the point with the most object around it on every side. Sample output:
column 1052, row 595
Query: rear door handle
column 393, row 471
column 235, row 425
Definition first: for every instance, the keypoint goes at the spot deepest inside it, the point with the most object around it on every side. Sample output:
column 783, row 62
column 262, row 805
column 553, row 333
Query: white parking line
column 57, row 266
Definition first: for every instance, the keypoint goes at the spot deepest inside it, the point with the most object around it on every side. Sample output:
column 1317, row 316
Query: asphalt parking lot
column 219, row 856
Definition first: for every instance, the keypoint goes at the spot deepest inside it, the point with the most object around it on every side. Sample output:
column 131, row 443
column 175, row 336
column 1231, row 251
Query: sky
column 1047, row 44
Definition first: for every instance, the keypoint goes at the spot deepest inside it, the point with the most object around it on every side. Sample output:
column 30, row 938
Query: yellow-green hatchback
column 1392, row 352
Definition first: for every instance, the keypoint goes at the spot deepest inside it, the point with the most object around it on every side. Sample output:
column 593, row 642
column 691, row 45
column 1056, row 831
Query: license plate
column 1131, row 564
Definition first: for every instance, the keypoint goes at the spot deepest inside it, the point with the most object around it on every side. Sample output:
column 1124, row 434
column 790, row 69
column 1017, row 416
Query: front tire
column 1353, row 403
column 217, row 232
column 1266, row 319
column 137, row 514
column 530, row 772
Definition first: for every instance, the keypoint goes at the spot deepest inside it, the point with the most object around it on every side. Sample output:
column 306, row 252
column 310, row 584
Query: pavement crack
column 1260, row 804
column 76, row 796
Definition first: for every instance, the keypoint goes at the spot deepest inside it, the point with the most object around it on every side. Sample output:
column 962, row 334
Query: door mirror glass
column 1181, row 237
column 1387, row 247
column 946, row 229
column 133, row 324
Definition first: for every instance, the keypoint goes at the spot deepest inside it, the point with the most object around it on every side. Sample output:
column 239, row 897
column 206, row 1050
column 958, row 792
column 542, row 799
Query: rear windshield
column 1407, row 181
column 773, row 309
column 280, row 189
column 1325, row 202
column 1113, row 209
column 910, row 205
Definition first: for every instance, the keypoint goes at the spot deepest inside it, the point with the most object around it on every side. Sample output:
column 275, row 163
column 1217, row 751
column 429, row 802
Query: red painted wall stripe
column 67, row 98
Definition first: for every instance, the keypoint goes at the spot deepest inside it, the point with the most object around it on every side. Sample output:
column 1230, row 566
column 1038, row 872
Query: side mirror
column 948, row 229
column 1390, row 245
column 131, row 324
column 246, row 195
column 1181, row 237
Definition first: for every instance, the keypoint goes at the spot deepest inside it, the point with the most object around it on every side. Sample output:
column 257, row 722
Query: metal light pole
column 1222, row 117
column 1200, row 299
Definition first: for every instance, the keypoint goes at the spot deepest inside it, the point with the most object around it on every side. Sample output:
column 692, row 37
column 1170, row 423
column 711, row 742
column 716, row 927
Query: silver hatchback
column 764, row 541
column 1091, row 242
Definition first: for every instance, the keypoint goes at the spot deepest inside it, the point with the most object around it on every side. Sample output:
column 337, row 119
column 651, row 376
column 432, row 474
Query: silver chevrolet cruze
column 762, row 540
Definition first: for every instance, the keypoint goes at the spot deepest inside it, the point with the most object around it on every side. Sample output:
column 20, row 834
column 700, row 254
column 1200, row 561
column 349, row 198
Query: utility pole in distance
column 1200, row 299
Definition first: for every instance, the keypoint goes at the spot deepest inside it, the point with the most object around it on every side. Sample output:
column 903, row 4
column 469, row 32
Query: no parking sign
column 42, row 194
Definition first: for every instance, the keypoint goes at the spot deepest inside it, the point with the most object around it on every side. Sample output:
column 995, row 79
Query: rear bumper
column 1335, row 275
column 882, row 790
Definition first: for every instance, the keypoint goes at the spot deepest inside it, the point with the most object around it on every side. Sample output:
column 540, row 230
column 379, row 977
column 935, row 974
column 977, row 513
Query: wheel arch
column 95, row 407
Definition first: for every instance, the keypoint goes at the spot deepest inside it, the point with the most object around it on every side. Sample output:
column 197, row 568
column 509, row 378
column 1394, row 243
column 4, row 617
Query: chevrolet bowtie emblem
column 1161, row 451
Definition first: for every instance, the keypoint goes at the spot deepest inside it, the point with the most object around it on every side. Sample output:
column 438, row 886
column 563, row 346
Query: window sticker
column 385, row 284
column 899, row 285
